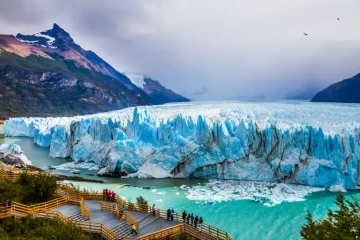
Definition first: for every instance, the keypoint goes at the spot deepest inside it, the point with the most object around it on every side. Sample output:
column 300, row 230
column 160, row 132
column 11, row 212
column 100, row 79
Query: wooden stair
column 78, row 217
column 122, row 230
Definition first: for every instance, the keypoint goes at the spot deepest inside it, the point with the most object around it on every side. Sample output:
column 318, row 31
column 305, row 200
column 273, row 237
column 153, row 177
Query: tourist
column 113, row 196
column 188, row 218
column 168, row 214
column 153, row 209
column 9, row 203
column 172, row 214
column 5, row 203
column 184, row 216
column 200, row 223
column 196, row 221
column 192, row 219
column 109, row 196
column 133, row 229
column 104, row 194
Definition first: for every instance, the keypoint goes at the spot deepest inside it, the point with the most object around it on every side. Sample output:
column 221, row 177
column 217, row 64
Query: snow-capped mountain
column 153, row 88
column 302, row 143
column 48, row 74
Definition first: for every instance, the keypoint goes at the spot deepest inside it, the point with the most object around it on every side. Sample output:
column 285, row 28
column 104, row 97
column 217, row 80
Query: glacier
column 314, row 144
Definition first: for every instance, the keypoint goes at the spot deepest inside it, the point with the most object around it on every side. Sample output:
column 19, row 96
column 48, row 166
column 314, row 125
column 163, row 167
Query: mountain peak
column 56, row 26
column 57, row 29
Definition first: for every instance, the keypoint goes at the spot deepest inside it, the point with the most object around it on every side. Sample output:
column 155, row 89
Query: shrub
column 10, row 191
column 143, row 203
column 141, row 200
column 29, row 188
column 341, row 224
column 41, row 228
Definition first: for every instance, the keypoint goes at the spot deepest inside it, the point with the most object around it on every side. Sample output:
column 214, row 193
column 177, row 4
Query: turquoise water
column 242, row 219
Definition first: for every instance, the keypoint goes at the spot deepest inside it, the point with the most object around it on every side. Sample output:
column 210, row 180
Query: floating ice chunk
column 337, row 188
column 159, row 200
column 160, row 193
column 263, row 192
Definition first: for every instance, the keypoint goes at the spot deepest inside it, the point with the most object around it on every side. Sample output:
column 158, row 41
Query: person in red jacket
column 109, row 196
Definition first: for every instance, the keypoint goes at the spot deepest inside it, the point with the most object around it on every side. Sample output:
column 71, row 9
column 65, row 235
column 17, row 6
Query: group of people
column 193, row 221
column 170, row 214
column 187, row 218
column 109, row 195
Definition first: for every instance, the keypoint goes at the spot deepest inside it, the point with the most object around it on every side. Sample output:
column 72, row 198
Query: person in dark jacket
column 192, row 219
column 196, row 221
column 168, row 214
column 200, row 223
column 188, row 218
column 184, row 216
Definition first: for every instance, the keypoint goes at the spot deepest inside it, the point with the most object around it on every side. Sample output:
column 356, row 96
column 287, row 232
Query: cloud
column 203, row 90
column 240, row 48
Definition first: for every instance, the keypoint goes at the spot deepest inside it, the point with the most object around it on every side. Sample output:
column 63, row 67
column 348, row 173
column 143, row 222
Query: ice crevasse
column 305, row 143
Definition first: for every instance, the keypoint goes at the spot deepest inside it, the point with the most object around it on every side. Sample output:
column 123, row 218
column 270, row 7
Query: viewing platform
column 112, row 220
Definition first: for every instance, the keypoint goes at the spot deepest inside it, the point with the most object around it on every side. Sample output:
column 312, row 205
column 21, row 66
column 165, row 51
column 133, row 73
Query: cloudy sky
column 208, row 50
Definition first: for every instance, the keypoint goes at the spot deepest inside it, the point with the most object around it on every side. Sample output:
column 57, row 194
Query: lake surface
column 243, row 219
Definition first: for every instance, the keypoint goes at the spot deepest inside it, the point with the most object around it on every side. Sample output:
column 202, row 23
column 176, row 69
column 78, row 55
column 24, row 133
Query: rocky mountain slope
column 48, row 74
column 345, row 91
column 153, row 88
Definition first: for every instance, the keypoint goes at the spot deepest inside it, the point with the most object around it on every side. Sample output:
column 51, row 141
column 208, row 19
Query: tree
column 143, row 204
column 342, row 224
column 141, row 200
column 39, row 187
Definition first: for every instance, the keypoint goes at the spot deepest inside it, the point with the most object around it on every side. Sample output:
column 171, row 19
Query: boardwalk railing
column 5, row 212
column 164, row 233
column 90, row 227
column 85, row 212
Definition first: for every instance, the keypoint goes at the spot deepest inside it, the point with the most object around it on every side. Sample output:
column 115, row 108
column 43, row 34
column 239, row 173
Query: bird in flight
column 305, row 34
column 338, row 18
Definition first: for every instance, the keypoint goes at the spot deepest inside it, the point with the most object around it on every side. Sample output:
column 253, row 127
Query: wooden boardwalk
column 111, row 220
column 147, row 223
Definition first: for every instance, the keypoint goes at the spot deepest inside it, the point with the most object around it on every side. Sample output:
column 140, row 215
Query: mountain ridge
column 48, row 74
column 345, row 91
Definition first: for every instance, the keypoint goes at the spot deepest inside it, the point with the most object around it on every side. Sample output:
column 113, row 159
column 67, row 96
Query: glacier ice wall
column 305, row 143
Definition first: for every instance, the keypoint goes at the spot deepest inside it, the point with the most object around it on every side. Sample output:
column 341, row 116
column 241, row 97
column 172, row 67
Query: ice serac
column 11, row 155
column 308, row 143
